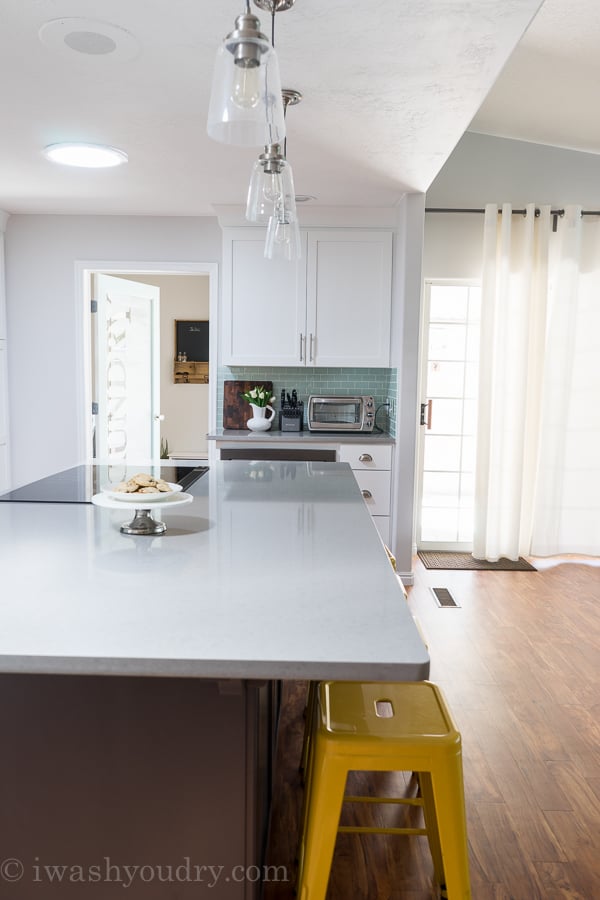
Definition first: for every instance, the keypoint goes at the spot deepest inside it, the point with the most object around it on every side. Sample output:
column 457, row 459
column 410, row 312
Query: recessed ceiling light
column 87, row 156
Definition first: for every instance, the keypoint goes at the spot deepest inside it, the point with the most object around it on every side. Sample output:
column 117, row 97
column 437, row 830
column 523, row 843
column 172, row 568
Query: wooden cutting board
column 236, row 410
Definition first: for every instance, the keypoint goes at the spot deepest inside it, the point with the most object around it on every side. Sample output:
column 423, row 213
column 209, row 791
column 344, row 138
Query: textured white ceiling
column 389, row 89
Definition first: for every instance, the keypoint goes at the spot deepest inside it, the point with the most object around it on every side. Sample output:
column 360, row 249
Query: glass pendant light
column 246, row 106
column 283, row 232
column 271, row 183
column 283, row 237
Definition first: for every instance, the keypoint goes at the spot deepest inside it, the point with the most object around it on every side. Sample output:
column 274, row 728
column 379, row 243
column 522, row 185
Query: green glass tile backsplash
column 380, row 383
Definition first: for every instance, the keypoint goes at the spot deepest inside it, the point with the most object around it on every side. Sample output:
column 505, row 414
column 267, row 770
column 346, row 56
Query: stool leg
column 431, row 824
column 325, row 793
column 311, row 701
column 448, row 791
column 310, row 728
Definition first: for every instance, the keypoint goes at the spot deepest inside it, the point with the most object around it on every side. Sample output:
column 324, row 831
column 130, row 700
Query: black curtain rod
column 515, row 212
column 555, row 213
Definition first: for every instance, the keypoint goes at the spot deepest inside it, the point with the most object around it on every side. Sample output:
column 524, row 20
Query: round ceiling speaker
column 90, row 38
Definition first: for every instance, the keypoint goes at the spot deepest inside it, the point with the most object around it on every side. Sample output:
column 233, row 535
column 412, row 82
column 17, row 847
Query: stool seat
column 357, row 710
column 373, row 726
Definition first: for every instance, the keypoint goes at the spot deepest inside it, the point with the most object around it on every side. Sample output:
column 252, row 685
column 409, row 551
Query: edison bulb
column 245, row 93
column 283, row 232
column 272, row 187
column 283, row 238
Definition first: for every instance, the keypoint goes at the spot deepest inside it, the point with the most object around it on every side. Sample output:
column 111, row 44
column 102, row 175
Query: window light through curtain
column 538, row 442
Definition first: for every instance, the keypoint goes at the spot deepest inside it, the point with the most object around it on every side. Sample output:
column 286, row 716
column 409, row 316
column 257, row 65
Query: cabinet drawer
column 367, row 456
column 376, row 491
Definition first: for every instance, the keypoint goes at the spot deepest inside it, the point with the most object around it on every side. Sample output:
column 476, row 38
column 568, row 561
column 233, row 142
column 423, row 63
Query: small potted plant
column 259, row 399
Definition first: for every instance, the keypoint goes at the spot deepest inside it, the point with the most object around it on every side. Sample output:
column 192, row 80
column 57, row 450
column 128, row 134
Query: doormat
column 434, row 560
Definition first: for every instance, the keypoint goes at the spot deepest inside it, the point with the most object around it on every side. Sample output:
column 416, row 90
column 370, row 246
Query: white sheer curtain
column 538, row 442
column 567, row 504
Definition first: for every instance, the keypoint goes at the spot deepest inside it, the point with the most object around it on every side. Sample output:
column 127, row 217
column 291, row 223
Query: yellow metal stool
column 376, row 726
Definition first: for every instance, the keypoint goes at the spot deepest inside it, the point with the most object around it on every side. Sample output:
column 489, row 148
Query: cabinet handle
column 311, row 348
column 367, row 495
column 365, row 457
column 301, row 357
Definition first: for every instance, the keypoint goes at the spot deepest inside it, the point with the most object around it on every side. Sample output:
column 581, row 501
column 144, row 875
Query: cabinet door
column 349, row 297
column 2, row 289
column 3, row 394
column 264, row 303
column 3, row 419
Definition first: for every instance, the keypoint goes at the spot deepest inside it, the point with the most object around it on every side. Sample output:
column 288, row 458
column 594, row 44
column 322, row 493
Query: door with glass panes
column 448, row 379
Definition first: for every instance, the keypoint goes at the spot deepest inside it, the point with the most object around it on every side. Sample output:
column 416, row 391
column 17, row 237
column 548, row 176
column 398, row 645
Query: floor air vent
column 444, row 598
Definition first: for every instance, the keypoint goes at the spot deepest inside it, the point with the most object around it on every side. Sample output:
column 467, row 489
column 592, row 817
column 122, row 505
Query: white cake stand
column 142, row 522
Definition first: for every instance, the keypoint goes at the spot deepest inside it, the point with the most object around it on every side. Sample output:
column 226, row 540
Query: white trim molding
column 234, row 216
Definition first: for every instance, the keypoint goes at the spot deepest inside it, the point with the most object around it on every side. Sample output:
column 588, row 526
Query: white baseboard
column 407, row 578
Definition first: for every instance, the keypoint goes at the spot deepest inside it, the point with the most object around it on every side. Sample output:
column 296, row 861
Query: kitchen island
column 275, row 571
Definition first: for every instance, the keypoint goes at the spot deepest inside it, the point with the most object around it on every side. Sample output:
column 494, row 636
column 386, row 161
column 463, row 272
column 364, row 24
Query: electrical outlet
column 391, row 406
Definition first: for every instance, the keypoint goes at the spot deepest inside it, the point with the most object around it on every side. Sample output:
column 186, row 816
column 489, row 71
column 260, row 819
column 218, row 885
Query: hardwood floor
column 519, row 663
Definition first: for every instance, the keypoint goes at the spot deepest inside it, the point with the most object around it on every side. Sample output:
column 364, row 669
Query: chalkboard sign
column 191, row 338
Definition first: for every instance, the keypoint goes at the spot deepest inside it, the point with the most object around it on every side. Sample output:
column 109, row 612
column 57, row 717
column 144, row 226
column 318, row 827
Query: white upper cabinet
column 330, row 308
column 3, row 395
column 2, row 290
column 4, row 473
column 264, row 303
column 349, row 292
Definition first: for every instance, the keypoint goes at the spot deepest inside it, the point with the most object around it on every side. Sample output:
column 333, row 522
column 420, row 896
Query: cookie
column 143, row 480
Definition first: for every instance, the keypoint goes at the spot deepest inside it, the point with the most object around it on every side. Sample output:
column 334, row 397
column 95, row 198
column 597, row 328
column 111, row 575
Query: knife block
column 291, row 418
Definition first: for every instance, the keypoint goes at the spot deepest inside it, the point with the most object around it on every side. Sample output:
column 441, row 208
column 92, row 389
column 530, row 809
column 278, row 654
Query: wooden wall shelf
column 190, row 372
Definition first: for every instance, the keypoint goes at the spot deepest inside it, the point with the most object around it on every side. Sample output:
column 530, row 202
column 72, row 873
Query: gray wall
column 484, row 169
column 45, row 362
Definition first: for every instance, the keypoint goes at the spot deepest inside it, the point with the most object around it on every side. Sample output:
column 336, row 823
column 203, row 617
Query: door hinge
column 423, row 413
column 94, row 409
column 94, row 306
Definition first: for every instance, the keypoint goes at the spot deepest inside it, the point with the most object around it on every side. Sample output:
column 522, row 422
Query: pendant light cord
column 273, row 45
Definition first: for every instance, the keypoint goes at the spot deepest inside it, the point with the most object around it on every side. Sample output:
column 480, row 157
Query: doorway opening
column 135, row 405
column 449, row 381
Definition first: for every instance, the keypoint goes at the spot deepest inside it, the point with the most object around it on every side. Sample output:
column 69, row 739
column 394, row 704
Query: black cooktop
column 79, row 484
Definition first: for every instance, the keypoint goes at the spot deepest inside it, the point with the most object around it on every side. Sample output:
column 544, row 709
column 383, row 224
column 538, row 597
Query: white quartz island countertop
column 274, row 571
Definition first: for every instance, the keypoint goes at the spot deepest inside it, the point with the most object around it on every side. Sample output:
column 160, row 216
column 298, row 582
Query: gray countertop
column 302, row 437
column 275, row 570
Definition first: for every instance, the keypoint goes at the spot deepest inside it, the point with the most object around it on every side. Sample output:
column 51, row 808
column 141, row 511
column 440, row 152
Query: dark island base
column 146, row 787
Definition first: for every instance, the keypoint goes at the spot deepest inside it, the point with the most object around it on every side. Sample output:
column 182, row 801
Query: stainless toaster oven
column 328, row 413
